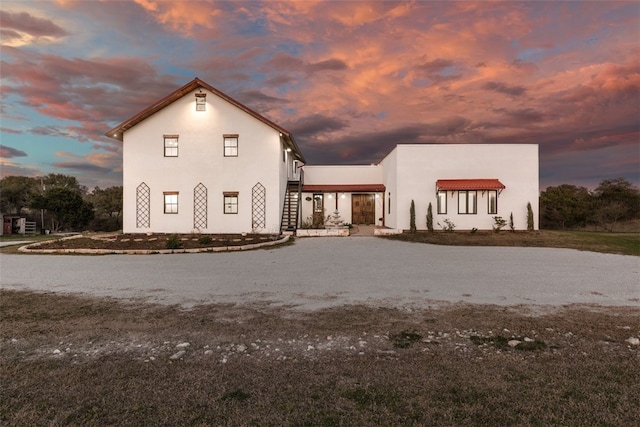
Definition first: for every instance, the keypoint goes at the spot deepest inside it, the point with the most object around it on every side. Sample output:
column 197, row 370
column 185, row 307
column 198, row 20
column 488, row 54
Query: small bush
column 205, row 240
column 404, row 339
column 412, row 217
column 173, row 242
column 530, row 225
column 498, row 223
column 448, row 226
column 430, row 218
column 512, row 227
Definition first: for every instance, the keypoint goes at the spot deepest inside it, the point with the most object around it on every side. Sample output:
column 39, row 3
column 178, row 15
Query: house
column 200, row 161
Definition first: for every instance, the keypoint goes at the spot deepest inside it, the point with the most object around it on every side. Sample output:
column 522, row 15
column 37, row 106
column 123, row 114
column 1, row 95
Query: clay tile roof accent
column 469, row 184
column 343, row 188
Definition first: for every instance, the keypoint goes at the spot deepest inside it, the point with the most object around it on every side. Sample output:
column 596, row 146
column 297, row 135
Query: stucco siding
column 201, row 160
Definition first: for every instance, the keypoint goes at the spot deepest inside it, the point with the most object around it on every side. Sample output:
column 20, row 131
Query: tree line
column 59, row 203
column 569, row 206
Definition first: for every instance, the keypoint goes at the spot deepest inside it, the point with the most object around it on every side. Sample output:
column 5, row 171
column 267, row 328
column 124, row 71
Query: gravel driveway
column 321, row 272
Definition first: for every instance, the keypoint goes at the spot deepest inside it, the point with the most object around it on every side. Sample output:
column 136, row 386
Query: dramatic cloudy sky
column 350, row 79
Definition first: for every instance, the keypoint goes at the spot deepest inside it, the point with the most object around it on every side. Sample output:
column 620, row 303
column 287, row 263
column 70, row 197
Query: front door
column 363, row 209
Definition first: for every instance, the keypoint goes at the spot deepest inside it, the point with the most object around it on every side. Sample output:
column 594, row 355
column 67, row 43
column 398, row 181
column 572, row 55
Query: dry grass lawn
column 68, row 360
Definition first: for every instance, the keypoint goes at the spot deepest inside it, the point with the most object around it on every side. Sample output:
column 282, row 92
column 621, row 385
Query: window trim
column 489, row 193
column 168, row 204
column 231, row 195
column 224, row 144
column 466, row 202
column 439, row 209
column 166, row 138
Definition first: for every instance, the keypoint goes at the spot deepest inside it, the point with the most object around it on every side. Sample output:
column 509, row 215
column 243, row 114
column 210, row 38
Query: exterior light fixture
column 201, row 101
column 288, row 150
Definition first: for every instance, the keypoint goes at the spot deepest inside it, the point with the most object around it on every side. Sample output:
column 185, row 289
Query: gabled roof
column 469, row 184
column 118, row 131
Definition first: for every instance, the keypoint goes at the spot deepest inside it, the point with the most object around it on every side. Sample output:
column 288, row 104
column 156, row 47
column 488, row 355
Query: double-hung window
column 171, row 145
column 467, row 202
column 492, row 196
column 230, row 202
column 231, row 145
column 442, row 202
column 171, row 202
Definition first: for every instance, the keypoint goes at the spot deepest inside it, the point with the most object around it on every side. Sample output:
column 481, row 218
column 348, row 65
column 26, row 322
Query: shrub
column 499, row 223
column 511, row 226
column 429, row 218
column 529, row 217
column 173, row 242
column 412, row 217
column 448, row 226
column 204, row 240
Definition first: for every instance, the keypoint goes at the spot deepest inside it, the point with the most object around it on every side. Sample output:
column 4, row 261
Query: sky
column 350, row 79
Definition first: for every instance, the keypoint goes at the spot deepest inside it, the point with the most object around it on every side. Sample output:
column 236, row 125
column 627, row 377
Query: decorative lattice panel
column 143, row 206
column 258, row 207
column 200, row 207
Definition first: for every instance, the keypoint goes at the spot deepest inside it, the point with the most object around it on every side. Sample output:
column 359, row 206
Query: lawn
column 615, row 243
column 69, row 360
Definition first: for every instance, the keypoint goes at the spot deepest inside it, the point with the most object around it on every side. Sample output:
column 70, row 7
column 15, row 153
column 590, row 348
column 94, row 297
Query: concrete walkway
column 321, row 272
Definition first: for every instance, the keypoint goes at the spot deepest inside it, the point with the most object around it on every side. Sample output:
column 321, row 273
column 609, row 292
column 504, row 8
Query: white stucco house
column 200, row 161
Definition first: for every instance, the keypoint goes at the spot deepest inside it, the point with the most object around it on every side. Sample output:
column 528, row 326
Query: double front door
column 363, row 209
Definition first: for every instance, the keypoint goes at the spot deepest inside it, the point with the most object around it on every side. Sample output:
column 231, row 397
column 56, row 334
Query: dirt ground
column 70, row 360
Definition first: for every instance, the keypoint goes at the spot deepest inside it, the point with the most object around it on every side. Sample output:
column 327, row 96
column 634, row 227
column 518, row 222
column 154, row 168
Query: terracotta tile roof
column 117, row 132
column 342, row 188
column 469, row 184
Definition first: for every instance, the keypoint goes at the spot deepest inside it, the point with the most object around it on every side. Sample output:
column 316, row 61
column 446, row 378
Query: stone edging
column 33, row 248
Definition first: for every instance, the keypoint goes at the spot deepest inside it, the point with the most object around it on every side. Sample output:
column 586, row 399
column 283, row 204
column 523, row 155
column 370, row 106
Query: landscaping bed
column 157, row 242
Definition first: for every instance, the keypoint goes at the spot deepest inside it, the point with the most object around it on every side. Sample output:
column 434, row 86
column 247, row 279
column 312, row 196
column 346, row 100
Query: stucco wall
column 201, row 160
column 418, row 167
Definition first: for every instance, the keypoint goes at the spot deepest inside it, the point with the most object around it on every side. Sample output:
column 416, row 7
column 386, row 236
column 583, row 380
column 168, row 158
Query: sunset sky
column 350, row 79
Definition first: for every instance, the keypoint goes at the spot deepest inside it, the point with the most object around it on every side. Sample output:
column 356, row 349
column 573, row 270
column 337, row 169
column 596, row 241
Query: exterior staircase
column 291, row 209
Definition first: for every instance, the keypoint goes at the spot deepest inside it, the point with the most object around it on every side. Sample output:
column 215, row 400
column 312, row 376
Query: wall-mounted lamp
column 288, row 150
column 342, row 196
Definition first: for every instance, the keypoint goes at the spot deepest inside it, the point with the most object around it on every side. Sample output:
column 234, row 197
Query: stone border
column 33, row 248
column 322, row 232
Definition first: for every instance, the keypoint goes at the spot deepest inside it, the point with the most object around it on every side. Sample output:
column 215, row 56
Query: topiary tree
column 429, row 218
column 412, row 217
column 529, row 217
column 512, row 227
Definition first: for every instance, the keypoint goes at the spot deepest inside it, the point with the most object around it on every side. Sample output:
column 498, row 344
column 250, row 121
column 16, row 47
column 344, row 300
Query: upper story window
column 231, row 145
column 467, row 202
column 442, row 202
column 171, row 202
column 201, row 101
column 493, row 201
column 171, row 145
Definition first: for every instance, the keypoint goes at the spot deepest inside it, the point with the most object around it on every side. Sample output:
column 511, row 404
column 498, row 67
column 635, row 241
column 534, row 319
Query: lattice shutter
column 200, row 207
column 143, row 206
column 258, row 207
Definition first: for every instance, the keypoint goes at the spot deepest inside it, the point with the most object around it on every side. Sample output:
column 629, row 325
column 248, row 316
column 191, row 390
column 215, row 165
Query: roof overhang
column 343, row 188
column 118, row 131
column 469, row 184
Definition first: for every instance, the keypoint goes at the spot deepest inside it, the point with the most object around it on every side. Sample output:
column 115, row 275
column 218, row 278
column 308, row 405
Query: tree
column 66, row 207
column 615, row 200
column 412, row 217
column 430, row 218
column 565, row 206
column 107, row 202
column 16, row 193
column 512, row 227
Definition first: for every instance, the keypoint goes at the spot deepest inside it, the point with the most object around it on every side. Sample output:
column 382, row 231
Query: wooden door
column 363, row 209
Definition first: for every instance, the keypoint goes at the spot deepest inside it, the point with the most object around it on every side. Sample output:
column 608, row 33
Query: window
column 201, row 101
column 467, row 203
column 171, row 145
column 231, row 145
column 171, row 202
column 493, row 201
column 442, row 202
column 230, row 202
